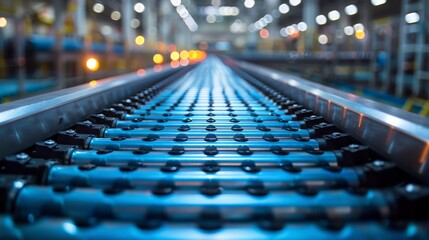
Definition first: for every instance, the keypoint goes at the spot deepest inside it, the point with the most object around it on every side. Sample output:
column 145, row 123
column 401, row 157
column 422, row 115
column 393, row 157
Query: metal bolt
column 70, row 131
column 50, row 142
column 378, row 163
column 112, row 109
column 354, row 146
column 100, row 115
column 411, row 188
column 87, row 122
column 323, row 124
column 336, row 134
column 313, row 116
column 22, row 156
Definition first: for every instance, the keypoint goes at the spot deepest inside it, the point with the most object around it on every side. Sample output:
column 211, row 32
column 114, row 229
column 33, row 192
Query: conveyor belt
column 206, row 153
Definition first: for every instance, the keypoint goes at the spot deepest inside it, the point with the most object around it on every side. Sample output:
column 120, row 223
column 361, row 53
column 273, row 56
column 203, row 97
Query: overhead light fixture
column 358, row 26
column 211, row 18
column 323, row 39
column 284, row 8
column 351, row 9
column 135, row 23
column 115, row 15
column 334, row 15
column 349, row 30
column 294, row 2
column 3, row 22
column 302, row 26
column 378, row 2
column 249, row 3
column 176, row 2
column 139, row 7
column 98, row 8
column 321, row 20
column 412, row 17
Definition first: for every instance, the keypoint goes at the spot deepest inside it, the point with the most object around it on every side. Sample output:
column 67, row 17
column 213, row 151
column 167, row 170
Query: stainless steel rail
column 395, row 134
column 26, row 121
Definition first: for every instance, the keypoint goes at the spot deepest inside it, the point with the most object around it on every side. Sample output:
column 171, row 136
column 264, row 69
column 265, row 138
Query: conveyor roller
column 209, row 151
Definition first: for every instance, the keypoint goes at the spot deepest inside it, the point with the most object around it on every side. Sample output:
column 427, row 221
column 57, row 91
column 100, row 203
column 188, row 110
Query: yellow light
column 360, row 34
column 93, row 83
column 193, row 55
column 158, row 58
column 139, row 40
column 92, row 64
column 3, row 22
column 184, row 54
column 174, row 56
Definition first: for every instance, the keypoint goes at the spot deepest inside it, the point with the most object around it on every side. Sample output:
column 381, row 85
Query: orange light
column 295, row 34
column 161, row 46
column 93, row 83
column 158, row 58
column 92, row 64
column 139, row 40
column 157, row 68
column 184, row 54
column 175, row 64
column 264, row 33
column 141, row 72
column 174, row 56
column 184, row 62
column 360, row 34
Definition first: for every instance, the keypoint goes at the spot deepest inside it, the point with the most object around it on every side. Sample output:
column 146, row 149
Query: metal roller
column 60, row 228
column 198, row 158
column 229, row 178
column 132, row 205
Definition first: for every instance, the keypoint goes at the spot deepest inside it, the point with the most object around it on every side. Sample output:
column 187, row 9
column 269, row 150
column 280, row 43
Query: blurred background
column 375, row 48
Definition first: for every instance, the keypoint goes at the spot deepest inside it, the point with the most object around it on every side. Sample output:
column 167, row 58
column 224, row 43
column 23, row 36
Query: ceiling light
column 378, row 2
column 323, row 39
column 334, row 15
column 294, row 2
column 302, row 26
column 135, row 23
column 358, row 26
column 139, row 7
column 98, row 8
column 115, row 15
column 321, row 20
column 249, row 3
column 284, row 8
column 349, row 30
column 412, row 17
column 351, row 9
column 211, row 18
column 176, row 2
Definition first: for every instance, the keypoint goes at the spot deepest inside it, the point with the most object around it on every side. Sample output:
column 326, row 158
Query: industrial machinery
column 221, row 149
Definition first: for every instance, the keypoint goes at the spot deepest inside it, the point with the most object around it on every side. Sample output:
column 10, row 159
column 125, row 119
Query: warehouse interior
column 373, row 48
column 214, row 119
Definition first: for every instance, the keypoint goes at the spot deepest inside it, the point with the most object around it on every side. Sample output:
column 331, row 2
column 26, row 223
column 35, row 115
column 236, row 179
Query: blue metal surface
column 198, row 158
column 229, row 178
column 132, row 205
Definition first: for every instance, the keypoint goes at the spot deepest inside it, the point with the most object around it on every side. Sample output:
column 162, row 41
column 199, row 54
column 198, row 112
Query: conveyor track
column 207, row 156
